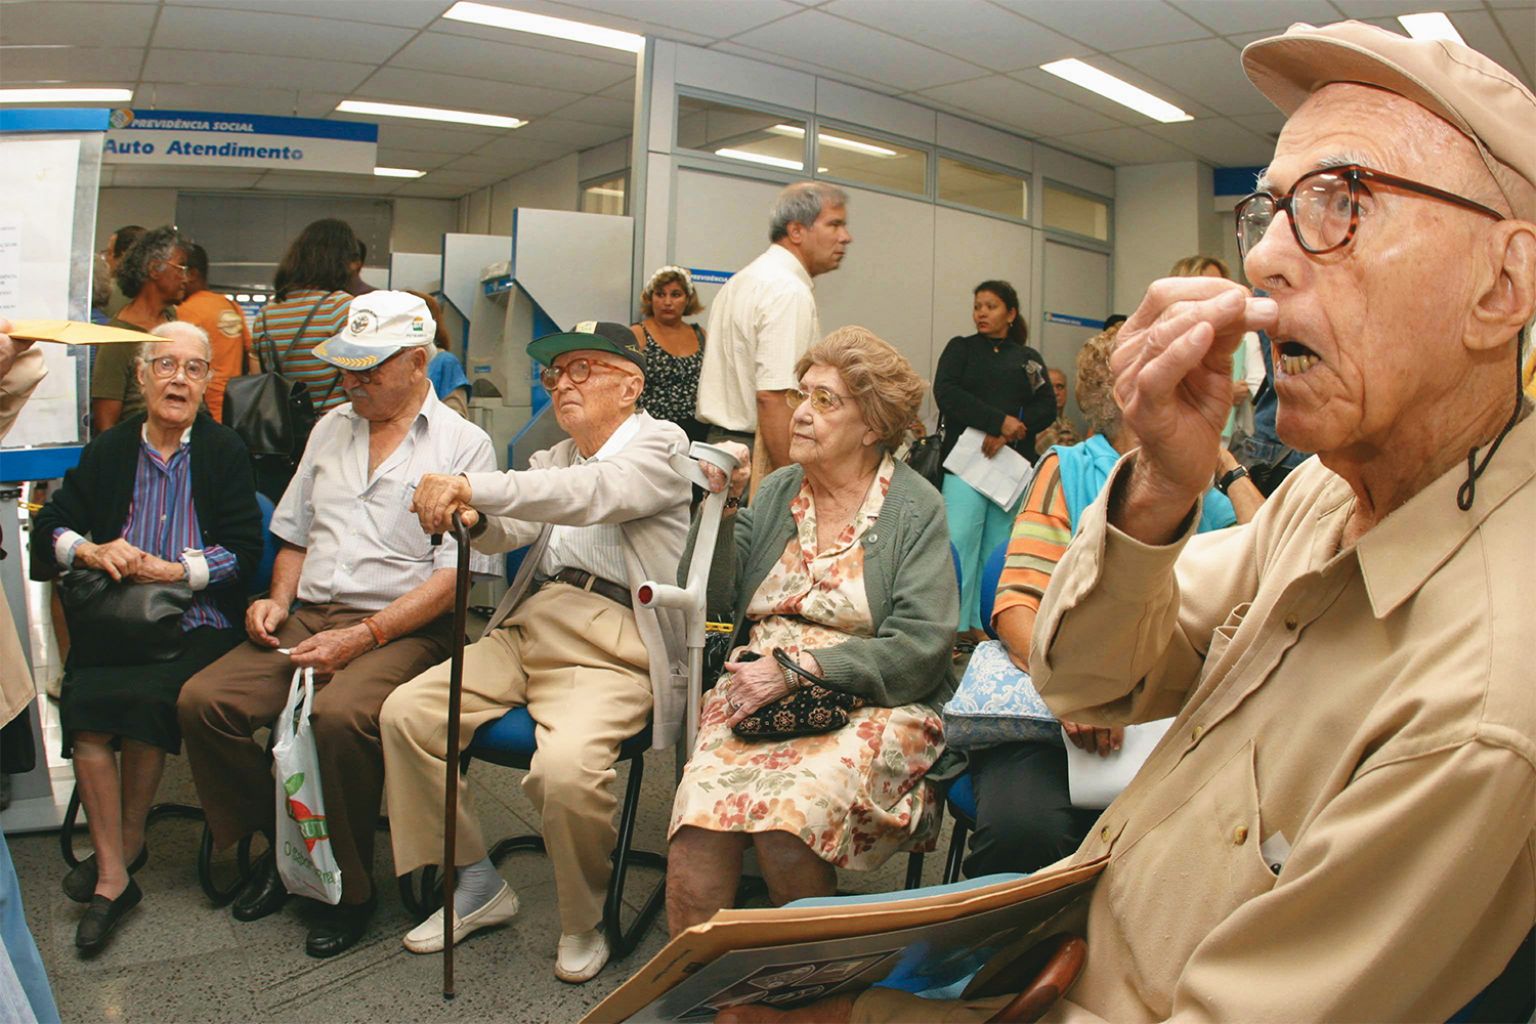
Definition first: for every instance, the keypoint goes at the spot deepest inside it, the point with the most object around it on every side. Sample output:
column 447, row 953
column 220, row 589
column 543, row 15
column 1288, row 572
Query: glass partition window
column 878, row 162
column 736, row 133
column 1077, row 213
column 982, row 188
column 605, row 196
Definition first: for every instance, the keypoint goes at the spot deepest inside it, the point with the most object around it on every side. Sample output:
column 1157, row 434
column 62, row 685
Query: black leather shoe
column 339, row 929
column 264, row 894
column 80, row 883
column 102, row 916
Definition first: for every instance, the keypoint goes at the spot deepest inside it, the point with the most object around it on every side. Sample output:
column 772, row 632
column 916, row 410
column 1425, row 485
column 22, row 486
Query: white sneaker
column 427, row 937
column 580, row 957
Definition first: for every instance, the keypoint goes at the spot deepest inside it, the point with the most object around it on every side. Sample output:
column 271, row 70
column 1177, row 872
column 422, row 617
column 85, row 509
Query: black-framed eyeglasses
column 165, row 367
column 1325, row 206
column 823, row 400
column 578, row 370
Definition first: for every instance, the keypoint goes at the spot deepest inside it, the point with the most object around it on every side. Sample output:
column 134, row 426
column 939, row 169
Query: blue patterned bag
column 996, row 703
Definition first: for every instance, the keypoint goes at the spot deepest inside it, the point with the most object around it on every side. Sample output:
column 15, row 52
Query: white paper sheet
column 1095, row 781
column 1002, row 478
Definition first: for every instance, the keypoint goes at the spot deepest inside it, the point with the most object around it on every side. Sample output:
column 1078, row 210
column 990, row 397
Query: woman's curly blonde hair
column 879, row 378
column 1096, row 383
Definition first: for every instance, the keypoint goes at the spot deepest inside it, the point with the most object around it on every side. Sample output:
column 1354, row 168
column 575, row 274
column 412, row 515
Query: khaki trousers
column 577, row 661
column 224, row 704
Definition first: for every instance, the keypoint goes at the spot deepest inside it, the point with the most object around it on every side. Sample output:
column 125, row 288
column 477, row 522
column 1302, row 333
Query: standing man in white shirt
column 764, row 319
column 603, row 511
column 358, row 593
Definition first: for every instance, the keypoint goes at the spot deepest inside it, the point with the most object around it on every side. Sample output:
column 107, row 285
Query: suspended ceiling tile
column 1520, row 24
column 1217, row 141
column 1123, row 146
column 126, row 176
column 235, row 99
column 1265, row 124
column 295, row 181
column 510, row 147
column 1111, row 24
column 69, row 63
column 428, row 189
column 563, row 46
column 423, row 135
column 778, row 60
column 193, row 28
column 415, row 159
column 192, row 66
column 997, row 99
column 504, row 62
column 1482, row 33
column 404, row 13
column 1392, row 8
column 1227, row 17
column 71, row 24
column 973, row 30
column 600, row 110
column 624, row 90
column 572, row 134
column 835, row 43
column 465, row 179
column 428, row 89
column 671, row 19
column 1210, row 70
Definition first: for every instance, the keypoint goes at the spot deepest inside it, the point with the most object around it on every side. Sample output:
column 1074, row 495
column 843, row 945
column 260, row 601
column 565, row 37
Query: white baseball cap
column 379, row 324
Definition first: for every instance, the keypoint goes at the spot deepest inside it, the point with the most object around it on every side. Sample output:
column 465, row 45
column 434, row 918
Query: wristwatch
column 1229, row 478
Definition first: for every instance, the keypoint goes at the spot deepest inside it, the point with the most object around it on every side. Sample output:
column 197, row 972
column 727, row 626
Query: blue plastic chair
column 991, row 572
column 261, row 579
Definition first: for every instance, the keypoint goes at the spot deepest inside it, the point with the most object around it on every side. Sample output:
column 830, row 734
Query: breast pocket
column 1222, row 638
column 388, row 506
column 1181, row 879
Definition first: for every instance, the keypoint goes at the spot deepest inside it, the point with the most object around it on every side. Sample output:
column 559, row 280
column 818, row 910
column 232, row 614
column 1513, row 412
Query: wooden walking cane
column 451, row 781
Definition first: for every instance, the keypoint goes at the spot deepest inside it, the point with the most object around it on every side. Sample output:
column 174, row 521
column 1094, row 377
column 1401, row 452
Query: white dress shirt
column 364, row 545
column 760, row 324
column 595, row 549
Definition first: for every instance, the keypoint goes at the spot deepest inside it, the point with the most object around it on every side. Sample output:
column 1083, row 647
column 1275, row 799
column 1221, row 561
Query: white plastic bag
column 304, row 855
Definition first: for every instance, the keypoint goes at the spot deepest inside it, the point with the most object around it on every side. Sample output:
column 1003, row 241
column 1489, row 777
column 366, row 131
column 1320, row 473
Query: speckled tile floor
column 177, row 958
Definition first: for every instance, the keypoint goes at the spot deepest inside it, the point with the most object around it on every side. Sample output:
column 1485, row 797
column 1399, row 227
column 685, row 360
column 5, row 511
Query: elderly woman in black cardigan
column 164, row 496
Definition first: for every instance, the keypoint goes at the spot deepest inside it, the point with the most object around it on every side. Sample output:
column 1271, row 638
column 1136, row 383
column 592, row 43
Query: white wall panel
column 977, row 140
column 721, row 72
column 867, row 109
column 970, row 249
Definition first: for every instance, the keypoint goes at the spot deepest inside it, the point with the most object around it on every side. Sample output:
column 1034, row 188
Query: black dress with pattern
column 672, row 385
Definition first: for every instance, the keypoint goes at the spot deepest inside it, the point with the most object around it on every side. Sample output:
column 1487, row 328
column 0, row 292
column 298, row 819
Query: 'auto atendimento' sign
column 202, row 139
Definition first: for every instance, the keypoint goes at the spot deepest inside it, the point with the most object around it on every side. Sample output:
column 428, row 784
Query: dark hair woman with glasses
column 164, row 497
column 994, row 382
column 153, row 274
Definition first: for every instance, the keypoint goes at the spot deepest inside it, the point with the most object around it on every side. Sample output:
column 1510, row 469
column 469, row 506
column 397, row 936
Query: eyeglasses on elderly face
column 366, row 376
column 165, row 367
column 823, row 400
column 578, row 370
column 1325, row 207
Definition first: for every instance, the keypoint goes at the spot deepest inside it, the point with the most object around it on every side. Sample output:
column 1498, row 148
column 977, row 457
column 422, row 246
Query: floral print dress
column 855, row 796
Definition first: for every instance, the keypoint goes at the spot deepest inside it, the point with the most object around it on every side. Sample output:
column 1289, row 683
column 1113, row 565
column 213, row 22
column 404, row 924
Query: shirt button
column 1240, row 835
column 1196, row 733
column 1290, row 622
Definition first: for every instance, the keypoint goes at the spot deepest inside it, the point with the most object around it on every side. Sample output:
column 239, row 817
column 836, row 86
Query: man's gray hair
column 176, row 330
column 802, row 203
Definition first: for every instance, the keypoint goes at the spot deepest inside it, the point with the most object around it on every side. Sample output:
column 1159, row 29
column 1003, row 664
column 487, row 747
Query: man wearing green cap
column 603, row 512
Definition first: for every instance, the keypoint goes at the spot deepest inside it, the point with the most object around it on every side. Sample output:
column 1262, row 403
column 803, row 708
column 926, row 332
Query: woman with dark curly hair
column 153, row 274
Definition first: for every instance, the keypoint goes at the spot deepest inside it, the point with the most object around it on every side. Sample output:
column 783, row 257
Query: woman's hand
column 263, row 619
column 740, row 476
column 1094, row 739
column 333, row 650
column 157, row 570
column 992, row 444
column 753, row 685
column 117, row 558
column 438, row 497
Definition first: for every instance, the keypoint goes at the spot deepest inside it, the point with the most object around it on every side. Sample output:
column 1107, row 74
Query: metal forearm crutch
column 451, row 781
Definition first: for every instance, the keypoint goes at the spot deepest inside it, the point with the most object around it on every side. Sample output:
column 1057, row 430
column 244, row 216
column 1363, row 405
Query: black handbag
column 272, row 414
column 112, row 623
column 813, row 709
column 926, row 456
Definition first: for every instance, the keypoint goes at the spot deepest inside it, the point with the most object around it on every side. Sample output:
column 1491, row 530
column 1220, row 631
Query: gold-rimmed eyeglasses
column 823, row 400
column 1325, row 207
column 165, row 367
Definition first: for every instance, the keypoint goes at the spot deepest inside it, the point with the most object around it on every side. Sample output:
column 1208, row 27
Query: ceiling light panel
column 543, row 25
column 760, row 158
column 427, row 113
column 1430, row 25
column 397, row 172
column 1118, row 90
column 66, row 95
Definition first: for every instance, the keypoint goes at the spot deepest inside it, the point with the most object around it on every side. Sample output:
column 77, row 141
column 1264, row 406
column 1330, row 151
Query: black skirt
column 138, row 702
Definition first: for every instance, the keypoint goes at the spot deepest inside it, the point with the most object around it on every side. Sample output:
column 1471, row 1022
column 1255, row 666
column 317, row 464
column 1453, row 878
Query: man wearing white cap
column 1341, row 823
column 373, row 597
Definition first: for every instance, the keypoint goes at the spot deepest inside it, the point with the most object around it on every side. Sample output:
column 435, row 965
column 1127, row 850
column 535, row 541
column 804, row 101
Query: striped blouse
column 278, row 322
column 1041, row 533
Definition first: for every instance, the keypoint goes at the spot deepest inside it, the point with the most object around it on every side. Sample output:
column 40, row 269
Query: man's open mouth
column 1294, row 358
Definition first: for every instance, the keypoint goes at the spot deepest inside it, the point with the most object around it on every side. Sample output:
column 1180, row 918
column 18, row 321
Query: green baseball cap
column 589, row 335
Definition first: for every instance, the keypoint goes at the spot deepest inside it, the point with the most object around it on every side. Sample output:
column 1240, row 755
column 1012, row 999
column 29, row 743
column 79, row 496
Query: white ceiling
column 976, row 58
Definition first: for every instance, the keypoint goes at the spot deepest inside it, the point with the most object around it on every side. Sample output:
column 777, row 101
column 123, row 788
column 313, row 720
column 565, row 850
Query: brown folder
column 73, row 332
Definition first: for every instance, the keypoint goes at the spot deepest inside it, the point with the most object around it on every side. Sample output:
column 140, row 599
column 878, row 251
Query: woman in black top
column 992, row 381
column 674, row 349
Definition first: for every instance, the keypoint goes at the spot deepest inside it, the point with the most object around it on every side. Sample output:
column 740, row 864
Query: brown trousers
column 224, row 704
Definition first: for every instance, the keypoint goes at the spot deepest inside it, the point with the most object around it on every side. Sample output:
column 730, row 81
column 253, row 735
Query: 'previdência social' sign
column 201, row 139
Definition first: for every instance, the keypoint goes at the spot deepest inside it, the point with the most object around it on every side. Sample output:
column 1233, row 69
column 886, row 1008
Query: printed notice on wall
column 37, row 178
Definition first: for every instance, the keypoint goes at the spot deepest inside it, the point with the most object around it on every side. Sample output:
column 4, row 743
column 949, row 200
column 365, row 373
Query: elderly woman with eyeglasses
column 839, row 576
column 163, row 497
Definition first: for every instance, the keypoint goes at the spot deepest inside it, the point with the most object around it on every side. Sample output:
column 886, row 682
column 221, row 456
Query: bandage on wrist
column 379, row 639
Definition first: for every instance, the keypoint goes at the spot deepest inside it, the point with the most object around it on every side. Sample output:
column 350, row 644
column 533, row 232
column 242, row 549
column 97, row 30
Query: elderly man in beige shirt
column 603, row 511
column 1341, row 823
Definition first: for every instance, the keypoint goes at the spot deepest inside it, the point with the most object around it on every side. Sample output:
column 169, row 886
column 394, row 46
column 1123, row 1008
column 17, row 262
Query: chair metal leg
column 421, row 892
column 956, row 851
column 67, row 828
column 914, row 871
column 220, row 895
column 621, row 940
